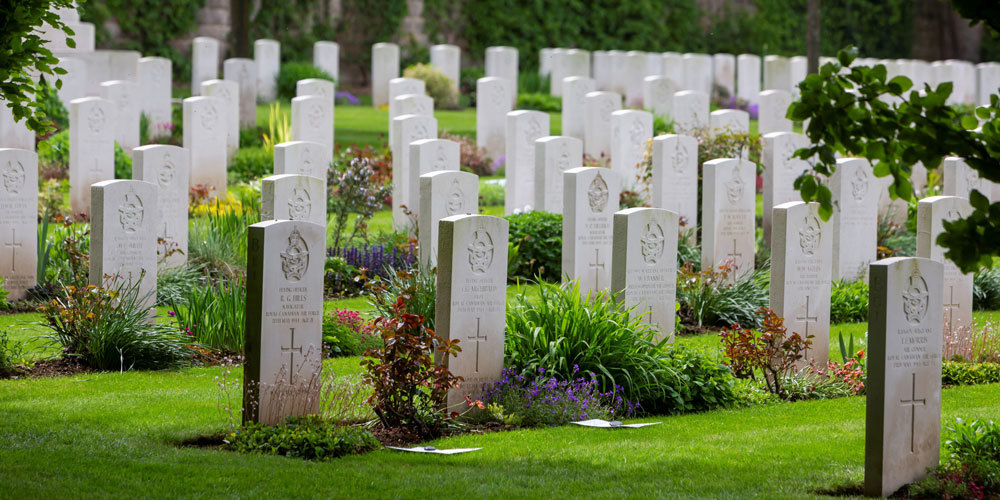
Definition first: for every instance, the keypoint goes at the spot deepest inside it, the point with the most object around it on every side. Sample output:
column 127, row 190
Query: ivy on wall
column 364, row 23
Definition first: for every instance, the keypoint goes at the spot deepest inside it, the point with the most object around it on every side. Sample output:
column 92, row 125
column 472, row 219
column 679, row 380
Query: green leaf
column 902, row 82
column 808, row 188
column 969, row 122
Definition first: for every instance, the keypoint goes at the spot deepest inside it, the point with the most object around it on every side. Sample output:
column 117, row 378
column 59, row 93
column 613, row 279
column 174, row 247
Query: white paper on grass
column 604, row 424
column 431, row 449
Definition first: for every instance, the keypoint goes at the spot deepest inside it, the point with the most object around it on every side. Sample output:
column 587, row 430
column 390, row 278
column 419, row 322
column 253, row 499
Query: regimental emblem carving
column 481, row 251
column 652, row 243
column 637, row 132
column 295, row 258
column 499, row 95
column 597, row 194
column 410, row 88
column 95, row 119
column 209, row 117
column 953, row 215
column 13, row 177
column 131, row 213
column 971, row 179
column 916, row 298
column 562, row 163
column 809, row 235
column 787, row 153
column 605, row 109
column 245, row 80
column 123, row 98
column 441, row 160
column 735, row 186
column 681, row 158
column 419, row 132
column 167, row 172
column 859, row 184
column 315, row 115
column 300, row 204
column 455, row 202
column 420, row 107
column 306, row 166
column 532, row 132
column 222, row 92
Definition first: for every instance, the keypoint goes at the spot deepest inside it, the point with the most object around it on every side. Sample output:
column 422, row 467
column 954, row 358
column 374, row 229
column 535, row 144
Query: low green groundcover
column 309, row 437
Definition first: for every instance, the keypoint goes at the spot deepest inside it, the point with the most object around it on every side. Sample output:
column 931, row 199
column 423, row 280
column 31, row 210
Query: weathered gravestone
column 228, row 93
column 619, row 62
column 724, row 74
column 408, row 128
column 690, row 110
column 399, row 87
column 545, row 61
column 672, row 66
column 167, row 168
column 771, row 112
column 385, row 67
column 18, row 220
column 777, row 73
column 575, row 90
column 316, row 86
column 597, row 129
column 123, row 222
column 501, row 62
column 727, row 208
column 154, row 77
column 91, row 148
column 205, row 138
column 523, row 129
column 244, row 72
column 303, row 158
column 801, row 253
column 448, row 60
column 554, row 155
column 855, row 218
column 426, row 156
column 267, row 58
column 658, row 94
column 960, row 179
column 731, row 121
column 491, row 115
column 602, row 69
column 326, row 56
column 415, row 104
column 748, row 77
column 780, row 171
column 903, row 406
column 797, row 70
column 472, row 299
column 957, row 291
column 590, row 199
column 989, row 81
column 698, row 73
column 125, row 96
column 631, row 131
column 644, row 265
column 284, row 318
column 635, row 71
column 293, row 197
column 204, row 62
column 675, row 178
column 443, row 193
column 312, row 120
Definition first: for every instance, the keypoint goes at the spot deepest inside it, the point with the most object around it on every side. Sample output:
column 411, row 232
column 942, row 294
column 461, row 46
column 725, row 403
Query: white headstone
column 284, row 320
column 312, row 120
column 590, row 199
column 229, row 93
column 303, row 158
column 635, row 72
column 545, row 61
column 644, row 265
column 426, row 156
column 18, row 221
column 74, row 82
column 205, row 136
column 574, row 92
column 903, row 406
column 731, row 121
column 777, row 73
column 603, row 72
column 960, row 179
column 491, row 113
column 658, row 94
column 204, row 61
column 448, row 60
column 523, row 129
column 854, row 193
column 748, row 77
column 698, row 73
column 502, row 62
column 267, row 57
column 472, row 299
column 443, row 193
column 597, row 129
column 801, row 253
column 724, row 74
column 672, row 67
column 244, row 73
column 167, row 168
column 155, row 86
column 989, row 81
column 91, row 147
column 293, row 197
column 326, row 56
column 385, row 67
column 125, row 96
column 619, row 65
column 415, row 104
column 406, row 129
column 316, row 86
column 690, row 110
column 631, row 133
column 957, row 291
column 398, row 87
column 553, row 156
column 773, row 105
column 14, row 134
column 780, row 171
column 675, row 178
column 797, row 68
column 727, row 209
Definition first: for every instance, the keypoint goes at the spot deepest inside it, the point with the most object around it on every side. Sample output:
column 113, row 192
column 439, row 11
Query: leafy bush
column 752, row 393
column 662, row 125
column 346, row 334
column 252, row 137
column 973, row 466
column 702, row 382
column 11, row 354
column 250, row 163
column 52, row 107
column 69, row 260
column 290, row 73
column 123, row 163
column 491, row 195
column 986, row 289
column 771, row 351
column 804, row 385
column 419, row 288
column 53, row 156
column 468, row 79
column 4, row 305
column 438, row 87
column 710, row 298
column 539, row 238
column 213, row 314
column 354, row 191
column 309, row 437
column 175, row 283
column 964, row 373
column 538, row 400
column 532, row 82
column 472, row 158
column 849, row 302
column 341, row 279
column 108, row 330
column 539, row 101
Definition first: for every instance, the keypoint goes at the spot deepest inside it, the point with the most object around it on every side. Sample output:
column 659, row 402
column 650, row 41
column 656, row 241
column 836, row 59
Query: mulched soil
column 58, row 367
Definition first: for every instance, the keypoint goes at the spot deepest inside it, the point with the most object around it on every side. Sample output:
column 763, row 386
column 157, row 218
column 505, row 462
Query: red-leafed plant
column 410, row 389
column 770, row 351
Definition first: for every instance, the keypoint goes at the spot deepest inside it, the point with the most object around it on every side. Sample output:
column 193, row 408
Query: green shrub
column 251, row 137
column 346, row 334
column 965, row 373
column 11, row 354
column 804, row 385
column 52, row 107
column 123, row 163
column 4, row 305
column 539, row 238
column 309, row 437
column 290, row 74
column 53, row 156
column 849, row 302
column 173, row 284
column 748, row 392
column 438, row 87
column 250, row 163
column 491, row 195
column 214, row 313
column 419, row 288
column 702, row 382
column 662, row 125
column 468, row 79
column 217, row 242
column 710, row 298
column 539, row 101
column 973, row 466
column 986, row 289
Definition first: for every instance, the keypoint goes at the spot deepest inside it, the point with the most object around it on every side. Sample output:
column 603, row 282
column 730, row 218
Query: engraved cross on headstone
column 291, row 350
column 166, row 232
column 649, row 314
column 597, row 266
column 807, row 318
column 735, row 256
column 479, row 339
column 13, row 245
column 912, row 403
column 951, row 308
